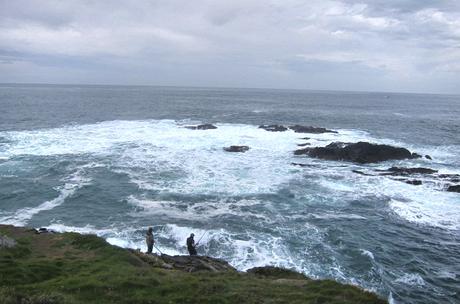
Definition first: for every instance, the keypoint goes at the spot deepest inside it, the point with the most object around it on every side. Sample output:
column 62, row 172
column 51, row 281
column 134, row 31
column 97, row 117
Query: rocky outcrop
column 184, row 262
column 361, row 173
column 309, row 129
column 273, row 128
column 360, row 152
column 454, row 188
column 303, row 165
column 445, row 182
column 202, row 127
column 237, row 149
column 303, row 145
column 408, row 171
column 197, row 263
column 453, row 178
column 414, row 182
column 296, row 128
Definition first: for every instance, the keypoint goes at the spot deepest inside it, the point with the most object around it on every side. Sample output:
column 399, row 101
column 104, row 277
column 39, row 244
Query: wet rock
column 43, row 230
column 360, row 152
column 309, row 129
column 454, row 178
column 6, row 242
column 408, row 171
column 361, row 173
column 303, row 145
column 454, row 188
column 300, row 165
column 202, row 127
column 428, row 157
column 273, row 128
column 416, row 155
column 415, row 182
column 236, row 149
column 305, row 138
column 196, row 263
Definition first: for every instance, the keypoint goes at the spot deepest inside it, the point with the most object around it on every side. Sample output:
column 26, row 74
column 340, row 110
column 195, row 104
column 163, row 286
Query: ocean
column 114, row 160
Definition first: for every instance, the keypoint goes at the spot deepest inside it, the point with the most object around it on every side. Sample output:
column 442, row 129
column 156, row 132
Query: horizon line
column 225, row 88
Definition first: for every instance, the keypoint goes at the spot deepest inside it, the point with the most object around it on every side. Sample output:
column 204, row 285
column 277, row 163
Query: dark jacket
column 190, row 242
column 149, row 238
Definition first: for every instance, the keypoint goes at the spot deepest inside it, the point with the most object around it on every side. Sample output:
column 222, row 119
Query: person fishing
column 149, row 240
column 191, row 245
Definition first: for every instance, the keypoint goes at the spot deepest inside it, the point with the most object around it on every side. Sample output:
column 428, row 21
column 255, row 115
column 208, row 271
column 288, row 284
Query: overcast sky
column 378, row 45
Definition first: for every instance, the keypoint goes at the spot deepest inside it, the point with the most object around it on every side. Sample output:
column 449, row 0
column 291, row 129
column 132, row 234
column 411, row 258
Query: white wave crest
column 71, row 185
column 413, row 279
column 197, row 210
column 367, row 253
column 243, row 251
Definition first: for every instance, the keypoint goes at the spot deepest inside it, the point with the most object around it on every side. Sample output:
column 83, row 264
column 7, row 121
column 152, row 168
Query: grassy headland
column 75, row 268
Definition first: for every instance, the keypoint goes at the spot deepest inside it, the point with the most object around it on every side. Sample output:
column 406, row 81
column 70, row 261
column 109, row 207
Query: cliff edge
column 51, row 268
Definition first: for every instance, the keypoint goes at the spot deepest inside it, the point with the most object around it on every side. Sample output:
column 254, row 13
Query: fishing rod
column 201, row 237
column 158, row 249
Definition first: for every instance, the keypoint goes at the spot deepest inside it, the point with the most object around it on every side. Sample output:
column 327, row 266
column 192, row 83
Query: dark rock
column 305, row 138
column 449, row 176
column 196, row 263
column 305, row 151
column 361, row 173
column 454, row 188
column 308, row 129
column 236, row 149
column 361, row 152
column 43, row 230
column 273, row 128
column 202, row 127
column 303, row 145
column 428, row 157
column 416, row 155
column 415, row 182
column 300, row 165
column 407, row 171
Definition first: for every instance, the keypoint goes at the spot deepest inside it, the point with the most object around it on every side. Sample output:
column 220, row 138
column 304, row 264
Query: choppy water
column 115, row 160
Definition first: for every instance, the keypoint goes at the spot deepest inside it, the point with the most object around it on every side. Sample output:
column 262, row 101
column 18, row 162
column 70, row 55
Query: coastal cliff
column 74, row 268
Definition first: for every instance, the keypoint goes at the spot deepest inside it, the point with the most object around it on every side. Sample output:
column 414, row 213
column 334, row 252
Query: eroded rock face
column 202, row 127
column 273, row 128
column 360, row 152
column 240, row 149
column 454, row 188
column 309, row 129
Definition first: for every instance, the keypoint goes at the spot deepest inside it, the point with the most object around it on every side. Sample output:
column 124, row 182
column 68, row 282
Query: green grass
column 74, row 268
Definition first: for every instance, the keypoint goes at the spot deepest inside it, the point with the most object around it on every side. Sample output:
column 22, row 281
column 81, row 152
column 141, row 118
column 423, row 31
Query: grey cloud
column 376, row 45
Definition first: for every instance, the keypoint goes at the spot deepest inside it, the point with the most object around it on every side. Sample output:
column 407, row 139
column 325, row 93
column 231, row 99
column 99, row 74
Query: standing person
column 191, row 245
column 149, row 240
